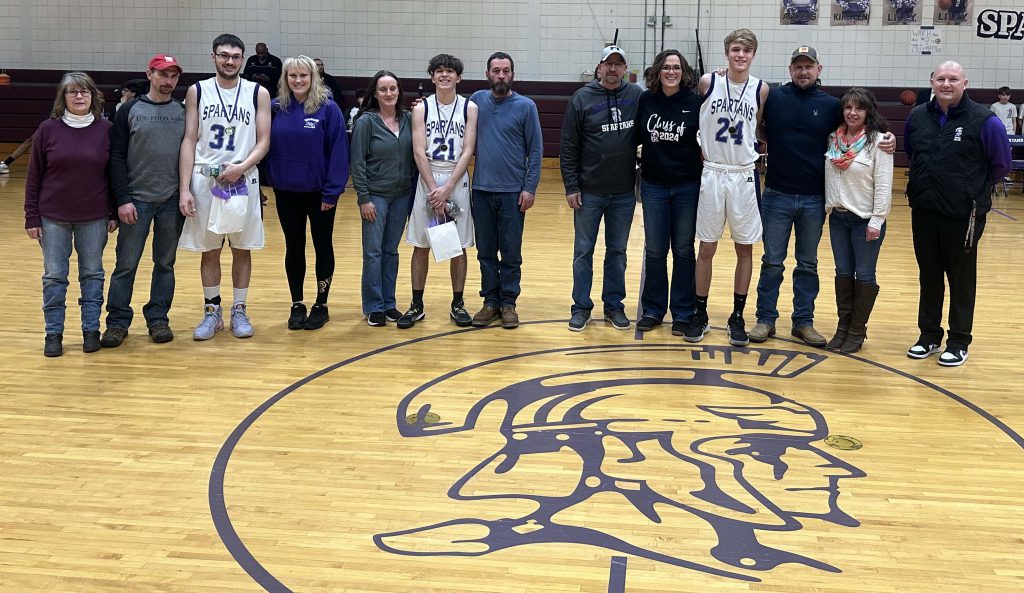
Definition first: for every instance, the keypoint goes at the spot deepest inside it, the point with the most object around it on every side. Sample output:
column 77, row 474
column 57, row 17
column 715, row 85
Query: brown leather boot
column 864, row 295
column 844, row 305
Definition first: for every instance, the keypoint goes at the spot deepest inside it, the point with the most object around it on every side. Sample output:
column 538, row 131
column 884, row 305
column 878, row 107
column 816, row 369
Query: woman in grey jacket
column 383, row 174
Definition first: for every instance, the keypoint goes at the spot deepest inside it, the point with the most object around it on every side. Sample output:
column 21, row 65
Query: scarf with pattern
column 842, row 150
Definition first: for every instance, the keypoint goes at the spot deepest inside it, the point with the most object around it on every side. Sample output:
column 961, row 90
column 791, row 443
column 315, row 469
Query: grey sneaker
column 211, row 324
column 617, row 319
column 761, row 332
column 579, row 320
column 240, row 324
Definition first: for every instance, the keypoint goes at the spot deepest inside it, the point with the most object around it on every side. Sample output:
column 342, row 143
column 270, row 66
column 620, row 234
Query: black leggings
column 293, row 208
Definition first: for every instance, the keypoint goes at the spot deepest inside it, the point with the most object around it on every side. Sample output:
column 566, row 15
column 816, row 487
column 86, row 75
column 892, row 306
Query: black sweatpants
column 293, row 209
column 941, row 255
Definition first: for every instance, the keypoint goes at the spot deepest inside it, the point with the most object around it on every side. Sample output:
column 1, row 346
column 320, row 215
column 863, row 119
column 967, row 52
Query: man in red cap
column 144, row 145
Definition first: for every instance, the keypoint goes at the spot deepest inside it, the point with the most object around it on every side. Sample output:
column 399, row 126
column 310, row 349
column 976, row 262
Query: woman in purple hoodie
column 68, row 204
column 307, row 166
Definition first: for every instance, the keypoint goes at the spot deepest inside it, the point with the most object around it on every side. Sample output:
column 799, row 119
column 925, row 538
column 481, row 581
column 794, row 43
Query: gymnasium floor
column 359, row 459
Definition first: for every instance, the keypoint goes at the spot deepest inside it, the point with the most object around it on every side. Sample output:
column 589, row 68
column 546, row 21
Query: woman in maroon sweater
column 67, row 204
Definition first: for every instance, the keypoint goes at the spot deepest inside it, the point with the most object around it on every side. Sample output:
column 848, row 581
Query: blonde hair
column 744, row 37
column 317, row 89
column 77, row 81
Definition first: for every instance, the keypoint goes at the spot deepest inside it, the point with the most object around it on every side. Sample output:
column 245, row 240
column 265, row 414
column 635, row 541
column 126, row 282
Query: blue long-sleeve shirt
column 509, row 144
column 308, row 152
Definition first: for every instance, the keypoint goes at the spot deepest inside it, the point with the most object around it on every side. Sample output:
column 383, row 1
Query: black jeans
column 940, row 252
column 293, row 209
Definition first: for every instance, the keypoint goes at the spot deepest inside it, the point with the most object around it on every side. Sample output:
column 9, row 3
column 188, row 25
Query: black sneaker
column 618, row 319
column 460, row 315
column 953, row 357
column 377, row 319
column 91, row 341
column 160, row 333
column 679, row 327
column 297, row 319
column 113, row 337
column 697, row 327
column 646, row 324
column 923, row 349
column 393, row 315
column 737, row 331
column 318, row 316
column 410, row 317
column 579, row 320
column 53, row 346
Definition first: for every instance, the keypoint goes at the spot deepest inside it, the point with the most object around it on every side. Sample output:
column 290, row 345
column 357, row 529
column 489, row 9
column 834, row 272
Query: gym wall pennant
column 850, row 12
column 953, row 12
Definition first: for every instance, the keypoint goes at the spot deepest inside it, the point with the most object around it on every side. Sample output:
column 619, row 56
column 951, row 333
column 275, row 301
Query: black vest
column 949, row 168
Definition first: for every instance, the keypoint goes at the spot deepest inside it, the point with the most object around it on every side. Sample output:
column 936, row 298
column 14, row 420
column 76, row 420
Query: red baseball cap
column 163, row 62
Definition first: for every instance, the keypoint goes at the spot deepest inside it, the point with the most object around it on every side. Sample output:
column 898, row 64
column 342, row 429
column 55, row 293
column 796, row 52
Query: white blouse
column 865, row 188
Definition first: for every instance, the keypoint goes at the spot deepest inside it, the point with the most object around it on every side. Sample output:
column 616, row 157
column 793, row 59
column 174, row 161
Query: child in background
column 1006, row 111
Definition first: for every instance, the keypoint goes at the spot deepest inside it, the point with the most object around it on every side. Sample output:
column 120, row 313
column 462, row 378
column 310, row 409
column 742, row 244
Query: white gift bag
column 444, row 240
column 230, row 207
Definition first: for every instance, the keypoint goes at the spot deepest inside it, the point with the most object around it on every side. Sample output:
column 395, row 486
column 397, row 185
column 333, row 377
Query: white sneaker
column 211, row 324
column 240, row 324
column 4, row 169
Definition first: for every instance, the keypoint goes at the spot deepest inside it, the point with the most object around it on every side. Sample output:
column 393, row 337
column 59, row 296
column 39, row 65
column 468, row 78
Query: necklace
column 728, row 108
column 447, row 127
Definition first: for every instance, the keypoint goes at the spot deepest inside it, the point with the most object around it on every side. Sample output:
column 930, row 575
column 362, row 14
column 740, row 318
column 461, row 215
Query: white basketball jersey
column 227, row 122
column 728, row 121
column 446, row 130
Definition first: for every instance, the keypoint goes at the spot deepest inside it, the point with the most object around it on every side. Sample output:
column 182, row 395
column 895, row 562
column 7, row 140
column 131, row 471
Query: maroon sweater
column 67, row 176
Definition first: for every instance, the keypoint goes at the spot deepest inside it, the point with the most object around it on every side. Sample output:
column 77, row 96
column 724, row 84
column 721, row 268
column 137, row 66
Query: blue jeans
column 88, row 239
column 670, row 218
column 499, row 229
column 855, row 256
column 167, row 222
column 780, row 214
column 380, row 253
column 617, row 211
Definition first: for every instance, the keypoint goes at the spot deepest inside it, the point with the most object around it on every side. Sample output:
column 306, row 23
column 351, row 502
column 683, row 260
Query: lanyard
column 234, row 109
column 728, row 108
column 448, row 127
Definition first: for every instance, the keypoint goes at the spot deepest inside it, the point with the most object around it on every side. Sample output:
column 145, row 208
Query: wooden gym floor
column 363, row 459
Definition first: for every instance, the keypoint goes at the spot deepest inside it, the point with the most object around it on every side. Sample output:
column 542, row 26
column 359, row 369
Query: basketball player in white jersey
column 227, row 132
column 729, row 119
column 443, row 139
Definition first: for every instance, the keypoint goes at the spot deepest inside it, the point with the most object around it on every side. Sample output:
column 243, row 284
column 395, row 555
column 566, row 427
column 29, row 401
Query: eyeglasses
column 616, row 65
column 671, row 68
column 84, row 93
column 229, row 57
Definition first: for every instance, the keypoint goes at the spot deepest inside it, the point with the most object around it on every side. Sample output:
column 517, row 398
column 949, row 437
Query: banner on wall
column 953, row 12
column 901, row 12
column 799, row 12
column 850, row 12
column 1001, row 24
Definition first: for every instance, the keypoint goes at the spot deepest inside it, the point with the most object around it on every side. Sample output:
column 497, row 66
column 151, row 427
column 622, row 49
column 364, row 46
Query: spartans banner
column 953, row 12
column 799, row 12
column 901, row 12
column 850, row 12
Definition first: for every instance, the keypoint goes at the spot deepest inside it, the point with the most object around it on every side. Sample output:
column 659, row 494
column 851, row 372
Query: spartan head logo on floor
column 663, row 452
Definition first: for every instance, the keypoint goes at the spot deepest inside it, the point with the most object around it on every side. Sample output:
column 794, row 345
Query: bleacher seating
column 29, row 98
